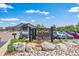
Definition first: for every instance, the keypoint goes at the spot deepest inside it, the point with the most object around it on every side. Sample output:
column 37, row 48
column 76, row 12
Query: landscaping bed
column 44, row 48
column 10, row 47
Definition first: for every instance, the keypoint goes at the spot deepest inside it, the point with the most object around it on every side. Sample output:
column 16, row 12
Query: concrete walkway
column 4, row 37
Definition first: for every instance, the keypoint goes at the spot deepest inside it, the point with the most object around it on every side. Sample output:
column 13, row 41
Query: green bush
column 65, row 43
column 74, row 41
column 60, row 40
column 57, row 41
column 10, row 47
column 18, row 40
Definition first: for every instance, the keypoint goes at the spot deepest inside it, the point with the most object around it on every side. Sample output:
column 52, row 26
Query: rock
column 38, row 48
column 19, row 47
column 48, row 46
column 32, row 47
column 61, row 46
column 71, row 43
column 60, row 51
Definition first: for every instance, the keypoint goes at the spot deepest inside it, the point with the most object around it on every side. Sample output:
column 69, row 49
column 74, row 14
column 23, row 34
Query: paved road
column 5, row 36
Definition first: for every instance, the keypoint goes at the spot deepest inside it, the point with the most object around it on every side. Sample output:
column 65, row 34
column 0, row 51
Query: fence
column 40, row 33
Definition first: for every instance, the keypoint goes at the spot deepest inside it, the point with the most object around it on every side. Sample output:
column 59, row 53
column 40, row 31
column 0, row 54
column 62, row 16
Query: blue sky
column 60, row 14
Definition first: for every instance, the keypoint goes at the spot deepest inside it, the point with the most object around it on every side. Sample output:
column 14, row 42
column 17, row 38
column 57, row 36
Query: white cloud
column 37, row 11
column 24, row 22
column 2, row 5
column 32, row 20
column 50, row 17
column 9, row 19
column 13, row 23
column 74, row 9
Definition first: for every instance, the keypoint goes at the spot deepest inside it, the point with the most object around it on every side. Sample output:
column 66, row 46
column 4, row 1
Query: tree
column 77, row 27
column 66, row 28
column 40, row 26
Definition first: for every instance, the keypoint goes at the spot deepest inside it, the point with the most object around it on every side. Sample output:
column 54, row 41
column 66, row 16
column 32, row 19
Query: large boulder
column 61, row 46
column 47, row 46
column 32, row 47
column 19, row 46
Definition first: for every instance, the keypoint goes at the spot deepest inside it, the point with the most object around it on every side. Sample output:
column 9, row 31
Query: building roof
column 25, row 24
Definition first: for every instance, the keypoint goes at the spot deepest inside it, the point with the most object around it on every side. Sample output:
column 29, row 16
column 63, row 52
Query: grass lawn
column 3, row 30
column 7, row 31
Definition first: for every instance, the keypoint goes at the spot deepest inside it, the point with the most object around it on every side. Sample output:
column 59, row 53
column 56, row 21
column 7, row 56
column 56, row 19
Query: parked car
column 24, row 34
column 68, row 36
column 76, row 36
column 77, row 33
column 59, row 35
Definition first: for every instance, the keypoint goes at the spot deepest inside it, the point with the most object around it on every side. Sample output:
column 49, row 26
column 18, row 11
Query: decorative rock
column 32, row 47
column 19, row 46
column 71, row 43
column 61, row 46
column 60, row 51
column 48, row 46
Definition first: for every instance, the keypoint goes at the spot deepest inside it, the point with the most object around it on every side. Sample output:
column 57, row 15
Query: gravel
column 72, row 50
column 69, row 52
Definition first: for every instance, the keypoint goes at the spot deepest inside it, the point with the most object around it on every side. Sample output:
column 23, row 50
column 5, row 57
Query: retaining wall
column 3, row 49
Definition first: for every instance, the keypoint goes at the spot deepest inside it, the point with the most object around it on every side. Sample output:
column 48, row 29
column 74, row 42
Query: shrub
column 18, row 40
column 74, row 41
column 57, row 41
column 60, row 40
column 10, row 47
